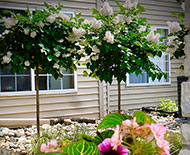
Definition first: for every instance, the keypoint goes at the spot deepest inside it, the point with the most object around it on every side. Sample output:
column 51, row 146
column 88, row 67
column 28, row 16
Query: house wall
column 82, row 103
column 157, row 13
column 92, row 99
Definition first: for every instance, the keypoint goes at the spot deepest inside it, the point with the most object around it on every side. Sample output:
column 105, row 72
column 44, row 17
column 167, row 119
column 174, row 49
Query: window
column 25, row 81
column 163, row 62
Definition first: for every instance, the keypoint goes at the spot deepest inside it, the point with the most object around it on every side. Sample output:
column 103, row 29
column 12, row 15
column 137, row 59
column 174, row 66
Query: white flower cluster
column 128, row 4
column 56, row 66
column 27, row 63
column 95, row 49
column 7, row 58
column 109, row 37
column 106, row 9
column 172, row 41
column 96, row 24
column 152, row 37
column 85, row 22
column 40, row 24
column 33, row 34
column 52, row 18
column 120, row 19
column 9, row 22
column 142, row 29
column 76, row 34
column 174, row 26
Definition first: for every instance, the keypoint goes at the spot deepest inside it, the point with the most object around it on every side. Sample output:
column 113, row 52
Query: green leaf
column 179, row 15
column 103, row 135
column 111, row 120
column 46, row 5
column 142, row 118
column 53, row 154
column 82, row 148
column 28, row 46
column 94, row 11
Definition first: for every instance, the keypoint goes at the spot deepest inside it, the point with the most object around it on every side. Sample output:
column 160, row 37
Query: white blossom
column 51, row 18
column 79, row 32
column 174, row 26
column 9, row 22
column 60, row 41
column 26, row 31
column 96, row 23
column 56, row 66
column 118, row 19
column 6, row 31
column 27, row 63
column 127, row 19
column 128, row 4
column 109, row 37
column 40, row 24
column 66, row 55
column 43, row 51
column 142, row 29
column 9, row 54
column 152, row 37
column 33, row 34
column 95, row 57
column 106, row 9
column 85, row 22
column 95, row 49
column 57, row 54
column 6, row 59
column 174, row 43
column 63, row 16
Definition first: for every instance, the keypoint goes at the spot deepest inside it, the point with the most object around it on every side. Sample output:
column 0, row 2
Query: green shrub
column 167, row 105
column 175, row 141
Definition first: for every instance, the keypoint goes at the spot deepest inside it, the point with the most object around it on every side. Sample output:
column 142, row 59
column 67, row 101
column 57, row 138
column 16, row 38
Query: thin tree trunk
column 119, row 97
column 37, row 101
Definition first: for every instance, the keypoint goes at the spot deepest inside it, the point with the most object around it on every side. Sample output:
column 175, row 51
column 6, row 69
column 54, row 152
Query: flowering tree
column 121, row 42
column 42, row 40
column 176, row 43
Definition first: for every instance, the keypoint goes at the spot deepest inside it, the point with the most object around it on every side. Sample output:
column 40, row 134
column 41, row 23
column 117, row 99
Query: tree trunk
column 119, row 97
column 37, row 101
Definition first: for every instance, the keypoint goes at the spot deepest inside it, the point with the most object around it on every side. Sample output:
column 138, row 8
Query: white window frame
column 32, row 91
column 152, row 83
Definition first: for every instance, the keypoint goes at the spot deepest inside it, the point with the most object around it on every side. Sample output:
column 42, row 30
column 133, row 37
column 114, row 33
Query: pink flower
column 116, row 138
column 50, row 147
column 127, row 125
column 164, row 145
column 158, row 130
column 106, row 149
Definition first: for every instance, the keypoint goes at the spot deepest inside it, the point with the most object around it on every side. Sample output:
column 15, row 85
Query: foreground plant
column 120, row 134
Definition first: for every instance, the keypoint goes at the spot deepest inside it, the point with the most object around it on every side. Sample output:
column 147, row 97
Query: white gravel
column 20, row 140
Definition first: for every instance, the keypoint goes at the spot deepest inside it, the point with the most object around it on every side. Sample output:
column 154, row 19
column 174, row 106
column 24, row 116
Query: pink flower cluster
column 50, row 147
column 147, row 132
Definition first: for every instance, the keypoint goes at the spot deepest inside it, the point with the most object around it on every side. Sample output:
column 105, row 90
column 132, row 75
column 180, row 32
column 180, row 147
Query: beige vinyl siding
column 135, row 97
column 85, row 102
column 82, row 103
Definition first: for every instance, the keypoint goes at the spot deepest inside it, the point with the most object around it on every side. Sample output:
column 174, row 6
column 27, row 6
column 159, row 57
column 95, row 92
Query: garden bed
column 160, row 112
column 21, row 139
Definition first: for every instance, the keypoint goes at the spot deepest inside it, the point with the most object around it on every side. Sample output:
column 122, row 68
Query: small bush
column 175, row 141
column 167, row 105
